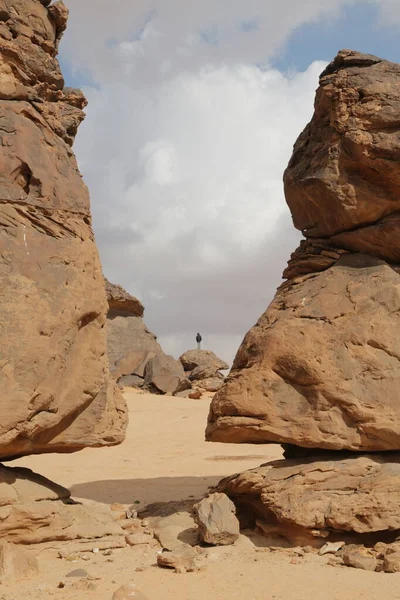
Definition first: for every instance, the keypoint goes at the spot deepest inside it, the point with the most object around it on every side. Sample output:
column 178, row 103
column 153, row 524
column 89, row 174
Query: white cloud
column 183, row 150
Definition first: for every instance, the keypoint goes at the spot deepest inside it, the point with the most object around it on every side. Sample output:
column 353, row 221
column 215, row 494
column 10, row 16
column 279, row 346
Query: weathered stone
column 195, row 395
column 202, row 358
column 184, row 560
column 34, row 510
column 344, row 173
column 131, row 381
column 320, row 370
column 216, row 518
column 128, row 592
column 391, row 562
column 353, row 557
column 163, row 374
column 212, row 384
column 130, row 345
column 183, row 386
column 56, row 391
column 16, row 562
column 121, row 303
column 359, row 494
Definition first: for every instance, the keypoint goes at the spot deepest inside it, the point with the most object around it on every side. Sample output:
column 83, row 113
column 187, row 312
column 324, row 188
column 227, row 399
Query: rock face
column 320, row 370
column 130, row 344
column 321, row 367
column 56, row 392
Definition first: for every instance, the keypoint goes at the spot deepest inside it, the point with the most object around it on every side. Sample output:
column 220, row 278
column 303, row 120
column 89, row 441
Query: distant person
column 198, row 340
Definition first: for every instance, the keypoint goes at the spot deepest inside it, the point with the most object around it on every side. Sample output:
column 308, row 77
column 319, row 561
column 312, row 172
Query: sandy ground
column 165, row 458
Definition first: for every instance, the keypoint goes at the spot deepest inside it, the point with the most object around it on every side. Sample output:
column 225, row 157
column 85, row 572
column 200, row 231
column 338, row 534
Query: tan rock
column 129, row 592
column 391, row 562
column 16, row 562
column 344, row 173
column 352, row 557
column 120, row 302
column 342, row 494
column 163, row 374
column 57, row 394
column 216, row 517
column 202, row 358
column 320, row 369
column 184, row 560
column 34, row 510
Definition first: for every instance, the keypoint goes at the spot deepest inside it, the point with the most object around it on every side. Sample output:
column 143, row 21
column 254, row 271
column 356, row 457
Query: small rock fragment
column 331, row 548
column 184, row 560
column 128, row 592
column 78, row 573
column 391, row 562
column 354, row 558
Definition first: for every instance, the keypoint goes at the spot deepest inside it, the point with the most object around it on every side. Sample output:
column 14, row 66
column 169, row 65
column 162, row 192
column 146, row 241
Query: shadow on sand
column 145, row 491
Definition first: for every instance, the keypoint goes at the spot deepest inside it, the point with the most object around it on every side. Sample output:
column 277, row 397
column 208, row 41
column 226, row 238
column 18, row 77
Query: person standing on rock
column 198, row 340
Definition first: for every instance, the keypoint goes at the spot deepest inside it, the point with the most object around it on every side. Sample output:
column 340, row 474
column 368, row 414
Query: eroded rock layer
column 56, row 392
column 321, row 368
column 345, row 493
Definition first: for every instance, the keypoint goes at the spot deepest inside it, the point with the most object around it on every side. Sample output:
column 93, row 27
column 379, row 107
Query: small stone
column 217, row 521
column 331, row 548
column 128, row 592
column 359, row 561
column 77, row 573
column 391, row 563
column 184, row 560
column 95, row 550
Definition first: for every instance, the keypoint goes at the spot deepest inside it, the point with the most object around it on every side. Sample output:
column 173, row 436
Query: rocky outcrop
column 320, row 369
column 203, row 368
column 130, row 344
column 56, row 392
column 34, row 510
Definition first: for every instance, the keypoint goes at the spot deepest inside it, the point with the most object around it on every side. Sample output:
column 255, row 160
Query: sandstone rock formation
column 342, row 493
column 130, row 344
column 321, row 367
column 320, row 372
column 56, row 392
column 34, row 510
column 203, row 368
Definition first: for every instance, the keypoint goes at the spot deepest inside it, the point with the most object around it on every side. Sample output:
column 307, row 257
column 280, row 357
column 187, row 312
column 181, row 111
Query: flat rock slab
column 360, row 494
column 34, row 510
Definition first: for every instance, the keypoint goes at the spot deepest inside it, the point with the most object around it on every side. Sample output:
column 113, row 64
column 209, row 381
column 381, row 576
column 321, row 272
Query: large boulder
column 130, row 344
column 340, row 493
column 164, row 374
column 321, row 367
column 56, row 391
column 320, row 370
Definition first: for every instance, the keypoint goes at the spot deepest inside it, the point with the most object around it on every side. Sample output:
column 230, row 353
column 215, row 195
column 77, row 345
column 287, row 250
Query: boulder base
column 360, row 494
column 321, row 367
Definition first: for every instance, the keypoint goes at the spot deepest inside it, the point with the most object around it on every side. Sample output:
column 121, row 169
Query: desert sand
column 165, row 458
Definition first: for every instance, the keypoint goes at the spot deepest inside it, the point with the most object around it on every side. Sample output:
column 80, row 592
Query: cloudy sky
column 194, row 109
